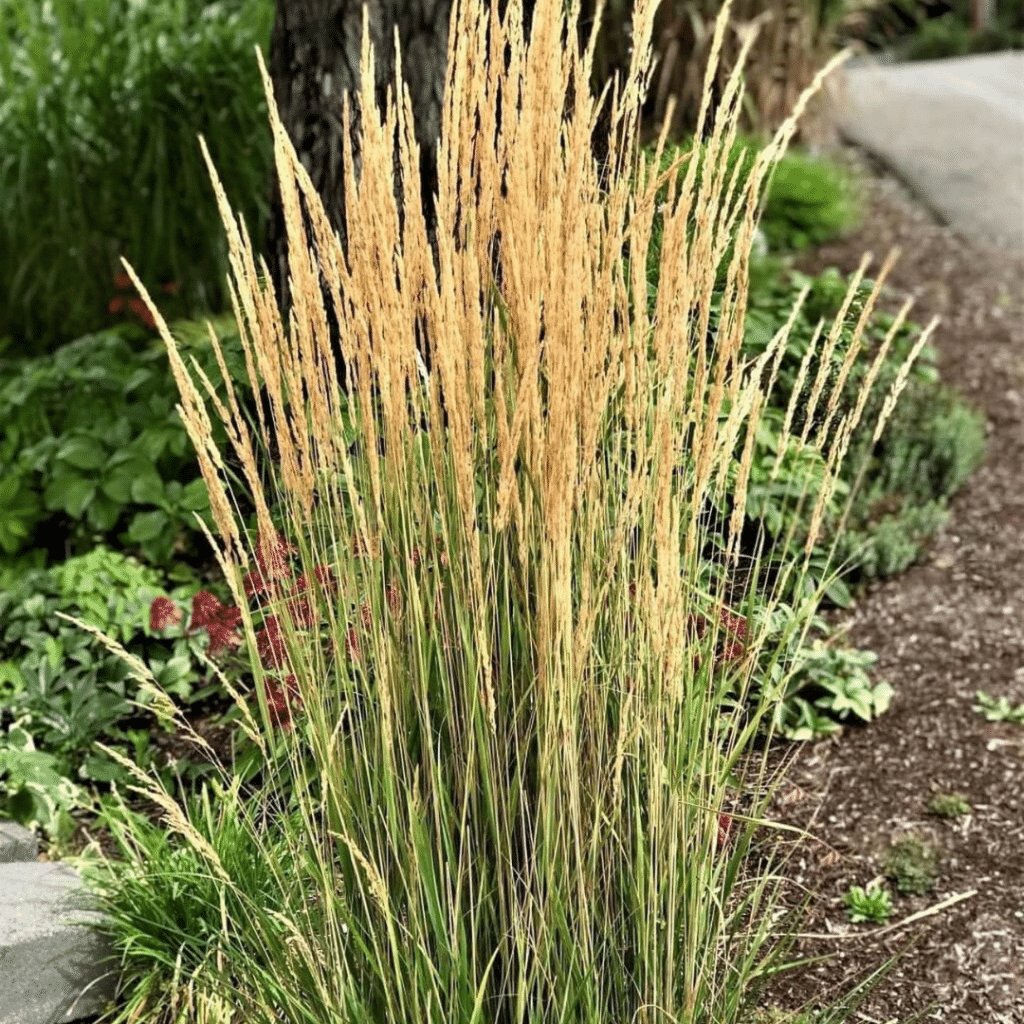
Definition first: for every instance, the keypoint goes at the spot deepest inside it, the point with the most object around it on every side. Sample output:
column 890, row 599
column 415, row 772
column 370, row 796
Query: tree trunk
column 314, row 59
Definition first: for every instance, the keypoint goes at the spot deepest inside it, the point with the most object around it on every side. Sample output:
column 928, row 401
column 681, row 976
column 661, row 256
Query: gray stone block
column 52, row 967
column 17, row 844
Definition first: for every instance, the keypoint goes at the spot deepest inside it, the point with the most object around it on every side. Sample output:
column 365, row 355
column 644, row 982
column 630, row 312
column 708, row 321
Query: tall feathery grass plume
column 527, row 683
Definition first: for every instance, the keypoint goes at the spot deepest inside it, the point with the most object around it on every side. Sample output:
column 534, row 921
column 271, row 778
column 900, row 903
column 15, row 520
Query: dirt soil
column 951, row 625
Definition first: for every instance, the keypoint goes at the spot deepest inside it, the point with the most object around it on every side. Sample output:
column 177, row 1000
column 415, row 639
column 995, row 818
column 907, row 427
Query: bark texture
column 314, row 59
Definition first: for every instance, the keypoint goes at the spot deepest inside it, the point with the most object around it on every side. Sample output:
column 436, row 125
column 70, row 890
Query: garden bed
column 905, row 473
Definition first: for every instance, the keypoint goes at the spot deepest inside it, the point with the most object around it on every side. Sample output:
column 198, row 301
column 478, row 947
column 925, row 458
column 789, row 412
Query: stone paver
column 16, row 843
column 51, row 964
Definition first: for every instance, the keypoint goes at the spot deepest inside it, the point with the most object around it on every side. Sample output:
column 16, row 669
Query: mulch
column 951, row 625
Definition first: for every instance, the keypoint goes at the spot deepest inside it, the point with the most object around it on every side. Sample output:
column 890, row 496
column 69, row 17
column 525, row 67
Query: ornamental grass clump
column 521, row 705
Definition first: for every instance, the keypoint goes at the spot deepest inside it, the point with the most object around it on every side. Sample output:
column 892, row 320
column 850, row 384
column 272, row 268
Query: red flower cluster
column 217, row 619
column 273, row 578
column 419, row 557
column 279, row 700
column 221, row 621
column 724, row 828
column 352, row 648
column 732, row 643
column 163, row 612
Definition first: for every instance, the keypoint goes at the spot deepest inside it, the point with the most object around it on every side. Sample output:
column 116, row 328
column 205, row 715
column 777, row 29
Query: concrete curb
column 51, row 962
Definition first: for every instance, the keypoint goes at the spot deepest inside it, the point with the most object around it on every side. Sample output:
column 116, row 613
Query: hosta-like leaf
column 882, row 697
column 82, row 452
column 147, row 526
column 70, row 493
column 118, row 487
column 148, row 490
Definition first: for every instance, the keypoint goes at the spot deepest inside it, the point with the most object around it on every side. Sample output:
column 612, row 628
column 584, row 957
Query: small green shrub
column 952, row 36
column 930, row 446
column 113, row 465
column 998, row 709
column 912, row 865
column 871, row 903
column 809, row 202
column 828, row 686
column 949, row 805
column 922, row 30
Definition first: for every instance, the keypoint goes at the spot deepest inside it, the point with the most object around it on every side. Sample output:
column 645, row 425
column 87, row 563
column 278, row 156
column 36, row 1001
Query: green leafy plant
column 103, row 100
column 871, row 903
column 949, row 805
column 928, row 30
column 114, row 464
column 903, row 479
column 998, row 709
column 827, row 686
column 951, row 35
column 912, row 865
column 906, row 477
column 62, row 691
column 34, row 789
column 809, row 201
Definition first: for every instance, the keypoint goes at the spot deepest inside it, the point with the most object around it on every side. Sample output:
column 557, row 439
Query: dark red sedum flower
column 163, row 612
column 219, row 621
column 280, row 700
column 141, row 310
column 724, row 828
column 270, row 643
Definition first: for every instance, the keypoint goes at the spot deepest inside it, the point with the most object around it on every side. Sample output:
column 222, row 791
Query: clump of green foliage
column 809, row 201
column 830, row 686
column 951, row 35
column 901, row 483
column 113, row 466
column 949, row 805
column 930, row 30
column 912, row 866
column 103, row 100
column 871, row 903
column 929, row 448
column 998, row 709
column 60, row 691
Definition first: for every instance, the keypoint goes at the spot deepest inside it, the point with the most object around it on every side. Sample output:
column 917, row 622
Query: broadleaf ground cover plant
column 114, row 465
column 60, row 692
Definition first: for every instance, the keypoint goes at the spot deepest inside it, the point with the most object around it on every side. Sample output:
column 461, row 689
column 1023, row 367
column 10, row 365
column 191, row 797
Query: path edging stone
column 55, row 968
